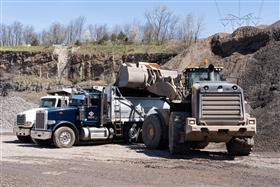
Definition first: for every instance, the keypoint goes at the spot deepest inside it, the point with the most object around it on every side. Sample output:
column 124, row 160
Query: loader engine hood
column 218, row 103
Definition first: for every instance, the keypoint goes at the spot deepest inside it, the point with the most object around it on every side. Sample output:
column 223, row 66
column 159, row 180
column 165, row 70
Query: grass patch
column 110, row 48
column 28, row 48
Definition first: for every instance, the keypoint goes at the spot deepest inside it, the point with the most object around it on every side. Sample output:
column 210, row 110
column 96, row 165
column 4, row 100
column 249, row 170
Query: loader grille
column 21, row 119
column 40, row 120
column 221, row 107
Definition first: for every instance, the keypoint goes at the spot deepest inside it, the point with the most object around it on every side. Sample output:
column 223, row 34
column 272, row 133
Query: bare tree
column 198, row 28
column 79, row 26
column 190, row 29
column 17, row 33
column 57, row 33
column 160, row 21
column 100, row 31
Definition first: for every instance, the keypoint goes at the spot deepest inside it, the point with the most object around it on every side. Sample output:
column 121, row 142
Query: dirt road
column 131, row 165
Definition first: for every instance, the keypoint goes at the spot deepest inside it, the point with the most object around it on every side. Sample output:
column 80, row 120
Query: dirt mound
column 252, row 56
column 10, row 107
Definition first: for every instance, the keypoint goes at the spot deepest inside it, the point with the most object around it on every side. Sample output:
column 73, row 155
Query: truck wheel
column 42, row 142
column 64, row 137
column 24, row 139
column 240, row 146
column 153, row 132
column 176, row 130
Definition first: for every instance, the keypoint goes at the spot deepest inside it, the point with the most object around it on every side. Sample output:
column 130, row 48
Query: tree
column 28, row 34
column 17, row 28
column 57, row 33
column 160, row 22
column 190, row 29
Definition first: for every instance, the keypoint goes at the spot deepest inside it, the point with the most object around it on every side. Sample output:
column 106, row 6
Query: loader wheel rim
column 65, row 137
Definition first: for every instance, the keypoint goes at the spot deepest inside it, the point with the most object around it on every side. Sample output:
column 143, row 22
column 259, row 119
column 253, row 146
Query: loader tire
column 177, row 144
column 240, row 146
column 153, row 132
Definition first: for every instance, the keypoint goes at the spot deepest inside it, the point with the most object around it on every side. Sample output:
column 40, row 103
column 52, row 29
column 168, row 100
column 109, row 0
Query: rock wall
column 79, row 67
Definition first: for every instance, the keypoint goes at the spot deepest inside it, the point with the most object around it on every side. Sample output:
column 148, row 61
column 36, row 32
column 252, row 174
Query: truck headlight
column 192, row 122
column 51, row 122
column 28, row 123
column 252, row 122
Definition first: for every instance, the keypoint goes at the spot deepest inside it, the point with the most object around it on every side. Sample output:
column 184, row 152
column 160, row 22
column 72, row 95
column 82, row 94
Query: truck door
column 92, row 111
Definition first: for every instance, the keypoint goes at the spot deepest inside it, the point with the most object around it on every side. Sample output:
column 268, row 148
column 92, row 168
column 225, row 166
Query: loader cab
column 197, row 74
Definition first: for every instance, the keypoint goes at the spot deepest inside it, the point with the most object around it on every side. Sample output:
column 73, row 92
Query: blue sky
column 42, row 13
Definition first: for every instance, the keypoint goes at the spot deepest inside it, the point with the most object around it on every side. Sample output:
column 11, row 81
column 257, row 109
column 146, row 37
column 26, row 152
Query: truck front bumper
column 194, row 132
column 22, row 131
column 41, row 135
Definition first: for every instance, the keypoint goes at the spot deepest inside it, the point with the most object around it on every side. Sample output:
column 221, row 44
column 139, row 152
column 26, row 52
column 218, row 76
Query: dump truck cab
column 26, row 119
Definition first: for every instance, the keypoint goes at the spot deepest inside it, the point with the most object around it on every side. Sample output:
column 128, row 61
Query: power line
column 240, row 20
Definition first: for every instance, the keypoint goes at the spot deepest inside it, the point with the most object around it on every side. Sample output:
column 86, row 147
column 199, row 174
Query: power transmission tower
column 239, row 20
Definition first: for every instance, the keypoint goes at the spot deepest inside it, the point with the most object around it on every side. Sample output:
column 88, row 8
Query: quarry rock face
column 70, row 66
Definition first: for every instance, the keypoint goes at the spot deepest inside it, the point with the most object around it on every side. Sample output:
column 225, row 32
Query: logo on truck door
column 91, row 115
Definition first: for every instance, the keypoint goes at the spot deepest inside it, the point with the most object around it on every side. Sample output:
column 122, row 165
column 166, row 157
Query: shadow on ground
column 202, row 154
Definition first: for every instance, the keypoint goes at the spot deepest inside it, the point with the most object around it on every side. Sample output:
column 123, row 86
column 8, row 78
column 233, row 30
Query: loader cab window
column 197, row 75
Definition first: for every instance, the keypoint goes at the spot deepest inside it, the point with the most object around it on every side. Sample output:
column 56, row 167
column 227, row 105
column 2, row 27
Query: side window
column 59, row 103
column 94, row 102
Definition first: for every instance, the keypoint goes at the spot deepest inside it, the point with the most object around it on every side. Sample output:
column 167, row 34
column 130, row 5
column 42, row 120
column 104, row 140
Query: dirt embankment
column 252, row 57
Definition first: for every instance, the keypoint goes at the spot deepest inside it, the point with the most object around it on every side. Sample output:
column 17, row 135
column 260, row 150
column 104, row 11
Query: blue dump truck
column 101, row 113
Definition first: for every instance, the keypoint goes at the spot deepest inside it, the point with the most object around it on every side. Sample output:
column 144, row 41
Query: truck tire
column 64, row 137
column 176, row 132
column 42, row 142
column 153, row 132
column 24, row 139
column 240, row 146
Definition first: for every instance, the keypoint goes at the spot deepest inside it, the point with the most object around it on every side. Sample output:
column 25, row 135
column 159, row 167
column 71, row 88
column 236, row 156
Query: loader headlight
column 51, row 122
column 234, row 87
column 191, row 121
column 206, row 87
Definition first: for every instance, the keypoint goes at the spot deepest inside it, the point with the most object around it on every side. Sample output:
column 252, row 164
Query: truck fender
column 67, row 124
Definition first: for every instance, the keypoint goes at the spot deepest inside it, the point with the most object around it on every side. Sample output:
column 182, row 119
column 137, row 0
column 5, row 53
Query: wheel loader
column 203, row 108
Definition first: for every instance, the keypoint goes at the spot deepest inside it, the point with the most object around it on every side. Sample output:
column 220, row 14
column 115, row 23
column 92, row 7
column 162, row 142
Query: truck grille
column 221, row 107
column 21, row 119
column 40, row 120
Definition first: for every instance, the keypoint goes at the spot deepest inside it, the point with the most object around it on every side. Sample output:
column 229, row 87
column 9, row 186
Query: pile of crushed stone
column 10, row 107
column 252, row 56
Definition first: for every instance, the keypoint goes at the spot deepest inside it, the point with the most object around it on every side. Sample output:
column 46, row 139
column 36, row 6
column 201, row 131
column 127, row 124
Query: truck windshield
column 47, row 102
column 202, row 75
column 77, row 100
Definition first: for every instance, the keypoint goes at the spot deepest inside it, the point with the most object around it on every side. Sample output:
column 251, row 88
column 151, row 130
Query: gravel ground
column 10, row 107
column 131, row 165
